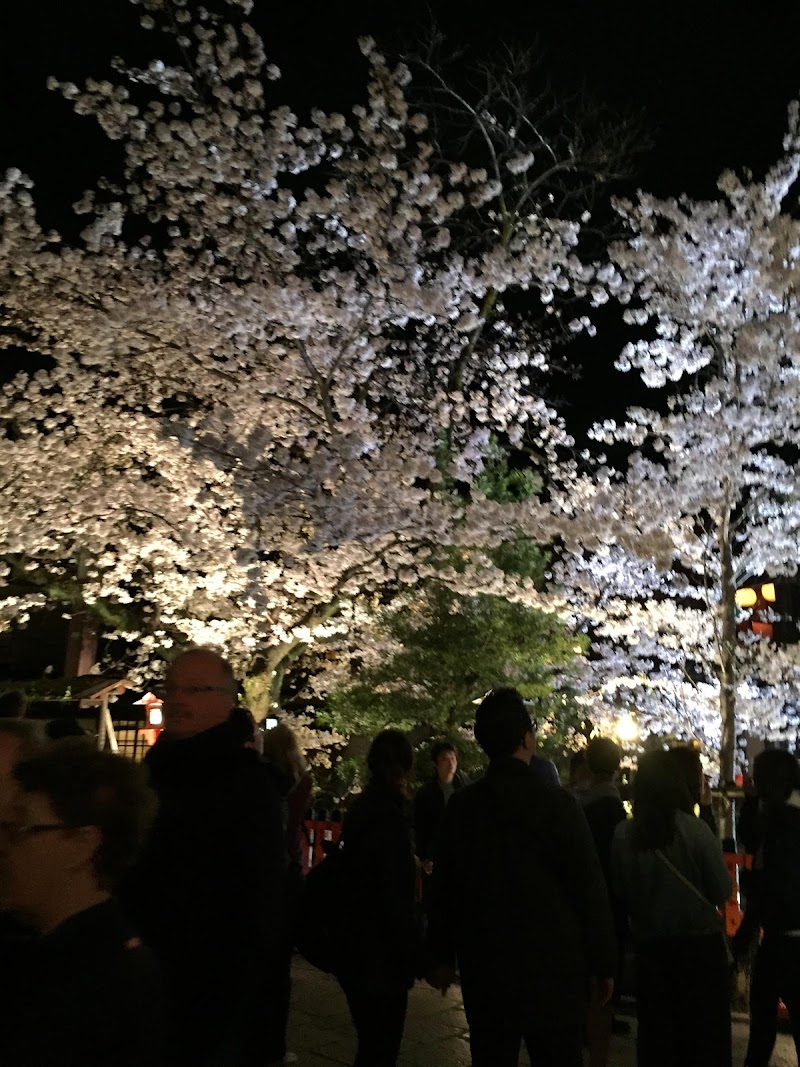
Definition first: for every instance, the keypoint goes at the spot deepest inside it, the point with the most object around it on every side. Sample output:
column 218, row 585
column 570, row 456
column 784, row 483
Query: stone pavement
column 321, row 1034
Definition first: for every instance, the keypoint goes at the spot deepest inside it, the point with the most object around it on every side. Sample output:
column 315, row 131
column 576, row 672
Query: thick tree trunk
column 262, row 688
column 81, row 651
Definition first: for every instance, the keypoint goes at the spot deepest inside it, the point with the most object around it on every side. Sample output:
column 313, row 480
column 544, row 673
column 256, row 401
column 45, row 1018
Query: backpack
column 320, row 936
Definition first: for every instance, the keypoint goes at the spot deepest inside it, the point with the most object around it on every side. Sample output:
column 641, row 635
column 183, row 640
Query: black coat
column 429, row 808
column 519, row 897
column 379, row 923
column 87, row 995
column 604, row 811
column 206, row 894
column 774, row 890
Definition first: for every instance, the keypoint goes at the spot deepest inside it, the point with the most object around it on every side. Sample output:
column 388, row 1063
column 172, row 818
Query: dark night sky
column 713, row 86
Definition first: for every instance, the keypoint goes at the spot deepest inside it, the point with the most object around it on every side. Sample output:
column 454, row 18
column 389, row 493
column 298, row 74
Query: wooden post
column 106, row 727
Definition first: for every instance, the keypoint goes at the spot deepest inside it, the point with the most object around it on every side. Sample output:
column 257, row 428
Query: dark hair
column 90, row 788
column 775, row 775
column 390, row 759
column 685, row 761
column 441, row 747
column 13, row 704
column 577, row 760
column 28, row 732
column 658, row 794
column 603, row 757
column 501, row 722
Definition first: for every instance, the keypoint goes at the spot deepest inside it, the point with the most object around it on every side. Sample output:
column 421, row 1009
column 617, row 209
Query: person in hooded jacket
column 773, row 904
column 206, row 894
column 383, row 941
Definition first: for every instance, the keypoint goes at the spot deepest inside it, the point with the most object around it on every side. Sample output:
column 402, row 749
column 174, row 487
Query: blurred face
column 197, row 693
column 40, row 857
column 446, row 766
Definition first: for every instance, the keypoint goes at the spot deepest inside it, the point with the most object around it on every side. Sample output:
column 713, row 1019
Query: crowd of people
column 149, row 912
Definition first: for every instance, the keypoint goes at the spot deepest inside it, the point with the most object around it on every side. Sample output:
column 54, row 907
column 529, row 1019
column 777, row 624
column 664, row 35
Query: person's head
column 445, row 760
column 282, row 748
column 503, row 726
column 19, row 739
column 390, row 760
column 72, row 824
column 13, row 704
column 199, row 692
column 775, row 776
column 658, row 794
column 688, row 767
column 603, row 758
column 579, row 774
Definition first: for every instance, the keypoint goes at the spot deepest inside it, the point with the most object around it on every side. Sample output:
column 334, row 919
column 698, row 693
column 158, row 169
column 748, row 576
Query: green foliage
column 453, row 649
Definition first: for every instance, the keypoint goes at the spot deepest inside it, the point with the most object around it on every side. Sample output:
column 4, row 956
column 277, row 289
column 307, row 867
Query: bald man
column 206, row 894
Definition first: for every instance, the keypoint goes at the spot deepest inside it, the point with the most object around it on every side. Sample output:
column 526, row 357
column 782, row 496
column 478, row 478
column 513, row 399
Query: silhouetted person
column 431, row 800
column 207, row 893
column 71, row 824
column 580, row 777
column 689, row 768
column 520, row 902
column 773, row 904
column 383, row 943
column 604, row 811
column 668, row 869
column 282, row 751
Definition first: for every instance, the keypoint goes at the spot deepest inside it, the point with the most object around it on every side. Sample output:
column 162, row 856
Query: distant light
column 155, row 718
column 270, row 724
column 627, row 729
column 746, row 598
column 768, row 592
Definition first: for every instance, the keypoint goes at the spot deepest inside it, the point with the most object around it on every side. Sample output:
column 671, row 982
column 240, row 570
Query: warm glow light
column 746, row 598
column 768, row 592
column 270, row 723
column 155, row 717
column 626, row 729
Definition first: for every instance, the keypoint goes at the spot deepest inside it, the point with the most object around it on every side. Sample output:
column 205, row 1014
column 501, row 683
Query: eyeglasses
column 163, row 692
column 17, row 831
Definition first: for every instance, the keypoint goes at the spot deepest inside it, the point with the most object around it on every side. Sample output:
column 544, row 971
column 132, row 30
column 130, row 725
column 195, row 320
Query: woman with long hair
column 669, row 871
column 380, row 922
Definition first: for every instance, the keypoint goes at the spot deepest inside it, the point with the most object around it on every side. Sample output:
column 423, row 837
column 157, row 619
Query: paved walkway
column 321, row 1034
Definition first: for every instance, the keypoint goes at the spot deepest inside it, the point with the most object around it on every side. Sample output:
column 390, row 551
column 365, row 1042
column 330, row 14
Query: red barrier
column 317, row 833
column 732, row 909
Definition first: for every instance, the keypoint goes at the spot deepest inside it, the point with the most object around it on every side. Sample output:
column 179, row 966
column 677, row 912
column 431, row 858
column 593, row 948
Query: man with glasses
column 70, row 822
column 207, row 892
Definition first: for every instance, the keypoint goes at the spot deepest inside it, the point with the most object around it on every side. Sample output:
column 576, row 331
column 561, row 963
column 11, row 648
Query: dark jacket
column 518, row 895
column 774, row 892
column 604, row 810
column 205, row 893
column 88, row 995
column 380, row 920
column 429, row 807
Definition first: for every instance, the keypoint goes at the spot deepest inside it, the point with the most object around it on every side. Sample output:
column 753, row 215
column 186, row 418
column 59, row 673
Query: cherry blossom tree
column 713, row 469
column 272, row 368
